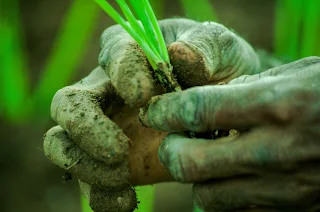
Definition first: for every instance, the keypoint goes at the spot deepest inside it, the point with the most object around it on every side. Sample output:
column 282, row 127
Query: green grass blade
column 138, row 7
column 154, row 21
column 136, row 26
column 201, row 10
column 311, row 29
column 68, row 51
column 14, row 81
column 85, row 207
column 131, row 19
column 289, row 15
column 153, row 59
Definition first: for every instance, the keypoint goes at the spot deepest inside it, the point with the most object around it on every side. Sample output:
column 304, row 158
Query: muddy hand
column 274, row 166
column 100, row 152
column 200, row 52
column 88, row 144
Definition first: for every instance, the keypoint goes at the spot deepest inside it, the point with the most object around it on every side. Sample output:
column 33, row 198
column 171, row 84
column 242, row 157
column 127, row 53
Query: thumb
column 208, row 53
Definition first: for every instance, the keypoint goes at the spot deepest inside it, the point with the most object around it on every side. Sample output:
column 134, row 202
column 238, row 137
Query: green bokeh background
column 48, row 44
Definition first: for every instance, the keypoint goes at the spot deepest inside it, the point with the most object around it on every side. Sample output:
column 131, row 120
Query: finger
column 208, row 53
column 64, row 153
column 250, row 193
column 109, row 199
column 77, row 109
column 201, row 109
column 254, row 153
column 301, row 68
column 127, row 66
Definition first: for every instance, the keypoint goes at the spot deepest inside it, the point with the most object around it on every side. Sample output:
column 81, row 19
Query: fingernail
column 161, row 153
column 144, row 113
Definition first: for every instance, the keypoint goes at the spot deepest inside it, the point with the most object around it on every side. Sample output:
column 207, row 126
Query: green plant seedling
column 148, row 35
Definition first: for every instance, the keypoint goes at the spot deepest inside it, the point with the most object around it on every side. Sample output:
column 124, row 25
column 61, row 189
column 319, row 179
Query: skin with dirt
column 273, row 166
column 100, row 139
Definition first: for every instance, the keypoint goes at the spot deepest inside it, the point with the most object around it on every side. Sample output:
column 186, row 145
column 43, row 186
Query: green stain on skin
column 262, row 155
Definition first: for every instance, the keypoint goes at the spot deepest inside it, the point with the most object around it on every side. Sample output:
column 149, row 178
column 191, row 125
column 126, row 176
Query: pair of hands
column 271, row 166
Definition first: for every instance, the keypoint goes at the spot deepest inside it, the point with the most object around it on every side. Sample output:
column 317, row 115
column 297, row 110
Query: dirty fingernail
column 143, row 116
column 161, row 153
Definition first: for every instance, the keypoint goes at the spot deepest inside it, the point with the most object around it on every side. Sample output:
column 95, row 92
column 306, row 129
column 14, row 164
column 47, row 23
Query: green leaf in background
column 14, row 81
column 158, row 7
column 297, row 29
column 200, row 10
column 288, row 19
column 67, row 53
column 311, row 28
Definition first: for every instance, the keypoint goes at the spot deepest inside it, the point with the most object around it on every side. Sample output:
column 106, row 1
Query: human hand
column 100, row 139
column 272, row 166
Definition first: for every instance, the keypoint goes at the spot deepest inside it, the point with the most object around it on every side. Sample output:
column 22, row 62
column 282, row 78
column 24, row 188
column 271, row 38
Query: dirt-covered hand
column 273, row 165
column 100, row 139
column 201, row 53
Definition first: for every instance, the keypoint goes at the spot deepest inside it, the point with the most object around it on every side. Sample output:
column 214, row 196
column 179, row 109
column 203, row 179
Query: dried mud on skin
column 137, row 162
column 67, row 155
column 109, row 199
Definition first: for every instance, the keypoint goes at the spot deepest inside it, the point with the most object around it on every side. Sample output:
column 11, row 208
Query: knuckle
column 303, row 194
column 240, row 80
column 272, row 72
column 109, row 33
column 310, row 60
column 228, row 40
column 291, row 103
column 204, row 199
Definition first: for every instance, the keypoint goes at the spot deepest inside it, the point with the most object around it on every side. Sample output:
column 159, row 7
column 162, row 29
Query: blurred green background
column 47, row 44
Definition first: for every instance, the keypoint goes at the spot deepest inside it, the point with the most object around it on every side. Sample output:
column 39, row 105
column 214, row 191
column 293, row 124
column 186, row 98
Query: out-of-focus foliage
column 14, row 81
column 200, row 10
column 297, row 28
column 67, row 52
column 16, row 99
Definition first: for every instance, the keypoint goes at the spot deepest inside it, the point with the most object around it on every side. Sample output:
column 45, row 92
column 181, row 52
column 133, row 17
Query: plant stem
column 153, row 59
column 137, row 26
column 149, row 37
column 166, row 78
column 138, row 6
column 154, row 21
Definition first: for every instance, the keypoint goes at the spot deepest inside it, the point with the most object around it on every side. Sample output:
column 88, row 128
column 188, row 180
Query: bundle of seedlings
column 108, row 185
